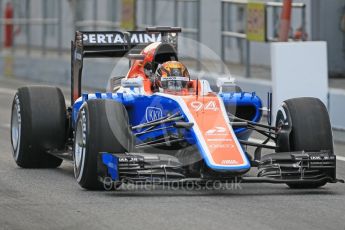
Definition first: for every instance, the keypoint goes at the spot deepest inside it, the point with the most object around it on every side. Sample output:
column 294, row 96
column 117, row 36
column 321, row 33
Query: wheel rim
column 80, row 148
column 16, row 127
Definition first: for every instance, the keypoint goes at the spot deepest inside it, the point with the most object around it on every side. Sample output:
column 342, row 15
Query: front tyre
column 303, row 124
column 102, row 126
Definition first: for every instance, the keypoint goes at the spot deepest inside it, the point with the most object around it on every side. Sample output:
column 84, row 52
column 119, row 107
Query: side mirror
column 225, row 82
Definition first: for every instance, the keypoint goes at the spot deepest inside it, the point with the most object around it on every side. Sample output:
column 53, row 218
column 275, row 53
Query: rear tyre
column 102, row 126
column 38, row 122
column 303, row 125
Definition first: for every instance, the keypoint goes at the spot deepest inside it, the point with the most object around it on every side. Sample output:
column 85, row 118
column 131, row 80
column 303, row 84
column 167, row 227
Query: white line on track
column 340, row 158
column 6, row 126
column 8, row 91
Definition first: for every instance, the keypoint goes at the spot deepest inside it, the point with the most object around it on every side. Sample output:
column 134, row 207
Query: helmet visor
column 174, row 83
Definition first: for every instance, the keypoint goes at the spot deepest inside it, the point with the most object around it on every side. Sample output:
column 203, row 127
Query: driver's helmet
column 172, row 76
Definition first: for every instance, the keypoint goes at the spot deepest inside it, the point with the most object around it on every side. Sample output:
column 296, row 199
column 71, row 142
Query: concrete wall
column 327, row 16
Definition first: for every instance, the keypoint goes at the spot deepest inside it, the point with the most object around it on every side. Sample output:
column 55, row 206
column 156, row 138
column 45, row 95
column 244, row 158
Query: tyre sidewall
column 284, row 127
column 83, row 124
column 42, row 126
column 94, row 118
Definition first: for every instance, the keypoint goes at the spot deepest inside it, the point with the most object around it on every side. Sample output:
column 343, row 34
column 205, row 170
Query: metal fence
column 153, row 16
column 184, row 13
column 44, row 24
column 272, row 18
column 97, row 15
column 23, row 22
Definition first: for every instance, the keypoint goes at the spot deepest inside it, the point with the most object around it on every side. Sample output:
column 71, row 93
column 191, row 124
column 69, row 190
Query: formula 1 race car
column 160, row 125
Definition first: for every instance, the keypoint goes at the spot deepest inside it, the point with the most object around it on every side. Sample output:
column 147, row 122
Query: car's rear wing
column 103, row 44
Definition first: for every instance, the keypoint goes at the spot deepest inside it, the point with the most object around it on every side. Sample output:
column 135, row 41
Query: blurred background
column 45, row 27
column 35, row 37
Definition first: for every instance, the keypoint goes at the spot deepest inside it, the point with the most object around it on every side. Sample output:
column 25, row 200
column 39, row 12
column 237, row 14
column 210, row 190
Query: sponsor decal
column 229, row 162
column 319, row 158
column 221, row 146
column 132, row 82
column 128, row 159
column 175, row 78
column 117, row 38
column 219, row 139
column 153, row 113
column 217, row 131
